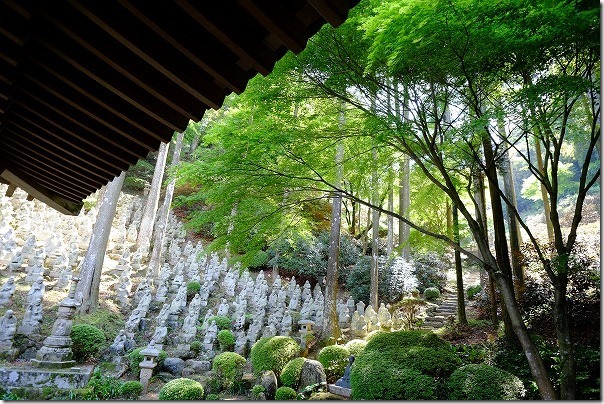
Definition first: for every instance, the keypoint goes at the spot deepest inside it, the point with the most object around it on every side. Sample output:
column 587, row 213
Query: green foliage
column 373, row 377
column 431, row 293
column 334, row 359
column 212, row 397
column 273, row 353
column 222, row 322
column 285, row 393
column 229, row 367
column 410, row 308
column 472, row 291
column 430, row 270
column 192, row 288
column 392, row 342
column 257, row 389
column 133, row 184
column 102, row 387
column 108, row 320
column 355, row 346
column 88, row 342
column 196, row 346
column 130, row 390
column 226, row 339
column 484, row 382
column 290, row 375
column 359, row 280
column 181, row 389
column 136, row 358
column 438, row 362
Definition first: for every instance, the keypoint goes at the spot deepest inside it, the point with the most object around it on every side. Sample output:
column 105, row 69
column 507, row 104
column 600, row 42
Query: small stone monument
column 56, row 352
column 305, row 329
column 148, row 363
column 8, row 327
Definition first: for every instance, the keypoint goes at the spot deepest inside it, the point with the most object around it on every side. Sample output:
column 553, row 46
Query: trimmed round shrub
column 181, row 389
column 374, row 334
column 226, row 339
column 229, row 367
column 431, row 293
column 257, row 391
column 355, row 346
column 430, row 361
column 212, row 397
column 334, row 359
column 131, row 389
column 285, row 393
column 273, row 353
column 136, row 358
column 484, row 382
column 222, row 322
column 374, row 377
column 193, row 287
column 290, row 375
column 394, row 341
column 88, row 342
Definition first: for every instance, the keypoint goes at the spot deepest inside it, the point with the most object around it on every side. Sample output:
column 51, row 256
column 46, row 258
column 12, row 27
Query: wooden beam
column 44, row 195
column 327, row 12
column 10, row 190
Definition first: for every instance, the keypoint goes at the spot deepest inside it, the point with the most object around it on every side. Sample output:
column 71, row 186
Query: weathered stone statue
column 7, row 291
column 118, row 347
column 160, row 334
column 8, row 327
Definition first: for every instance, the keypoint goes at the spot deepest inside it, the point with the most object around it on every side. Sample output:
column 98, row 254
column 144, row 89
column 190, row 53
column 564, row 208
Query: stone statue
column 119, row 344
column 36, row 290
column 7, row 291
column 223, row 309
column 161, row 331
column 8, row 326
column 384, row 317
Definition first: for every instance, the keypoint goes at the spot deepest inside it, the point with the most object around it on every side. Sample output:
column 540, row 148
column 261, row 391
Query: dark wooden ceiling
column 89, row 87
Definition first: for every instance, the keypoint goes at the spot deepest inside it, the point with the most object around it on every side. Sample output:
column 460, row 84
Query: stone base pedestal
column 72, row 378
column 340, row 391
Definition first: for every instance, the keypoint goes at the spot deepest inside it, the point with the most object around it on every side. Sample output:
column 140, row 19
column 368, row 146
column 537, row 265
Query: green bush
column 290, row 375
column 392, row 342
column 472, row 291
column 136, row 358
column 431, row 293
column 102, row 387
column 222, row 322
column 195, row 346
column 355, row 346
column 192, row 288
column 374, row 377
column 181, row 389
column 334, row 359
column 285, row 393
column 358, row 281
column 273, row 353
column 374, row 334
column 212, row 397
column 229, row 367
column 256, row 390
column 226, row 339
column 131, row 389
column 484, row 382
column 393, row 366
column 430, row 270
column 88, row 342
column 434, row 362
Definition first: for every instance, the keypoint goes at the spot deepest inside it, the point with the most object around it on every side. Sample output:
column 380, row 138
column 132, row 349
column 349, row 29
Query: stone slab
column 340, row 391
column 21, row 376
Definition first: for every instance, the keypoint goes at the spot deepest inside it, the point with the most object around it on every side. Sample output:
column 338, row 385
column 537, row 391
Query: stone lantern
column 305, row 329
column 149, row 355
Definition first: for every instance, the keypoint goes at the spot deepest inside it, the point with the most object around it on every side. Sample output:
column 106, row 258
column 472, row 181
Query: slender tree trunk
column 154, row 262
column 375, row 227
column 501, row 244
column 331, row 328
column 404, row 203
column 544, row 196
column 481, row 214
column 514, row 227
column 92, row 265
column 145, row 231
column 461, row 302
column 568, row 364
column 390, row 218
column 353, row 219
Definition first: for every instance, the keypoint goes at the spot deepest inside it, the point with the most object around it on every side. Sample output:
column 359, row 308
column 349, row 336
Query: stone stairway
column 447, row 306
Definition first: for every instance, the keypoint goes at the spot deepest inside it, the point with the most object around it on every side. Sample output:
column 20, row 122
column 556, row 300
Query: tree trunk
column 544, row 196
column 404, row 203
column 514, row 227
column 481, row 214
column 154, row 262
column 390, row 218
column 145, row 230
column 375, row 227
column 461, row 301
column 331, row 328
column 501, row 244
column 568, row 364
column 92, row 265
